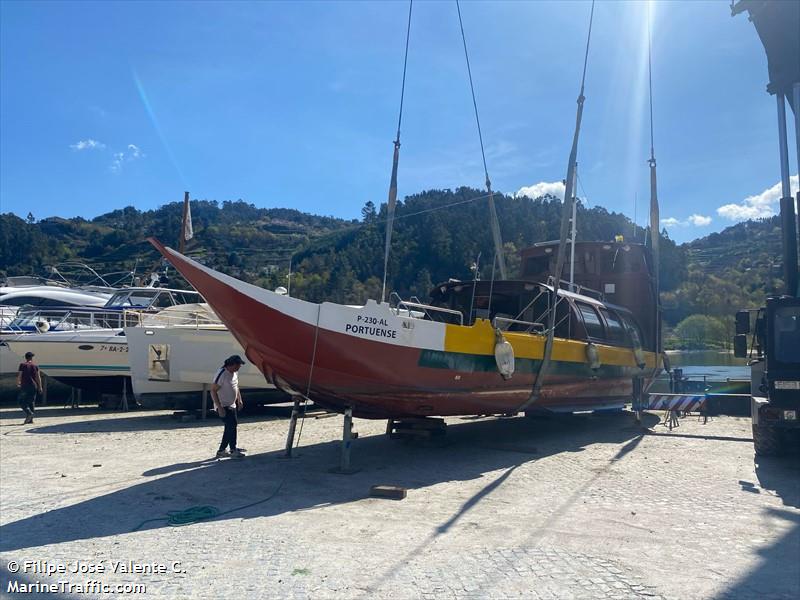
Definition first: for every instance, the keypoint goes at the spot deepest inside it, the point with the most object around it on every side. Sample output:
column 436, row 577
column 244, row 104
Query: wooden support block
column 392, row 492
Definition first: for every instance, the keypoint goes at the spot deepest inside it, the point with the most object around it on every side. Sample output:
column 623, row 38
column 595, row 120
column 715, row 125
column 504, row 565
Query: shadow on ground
column 136, row 420
column 779, row 568
column 470, row 449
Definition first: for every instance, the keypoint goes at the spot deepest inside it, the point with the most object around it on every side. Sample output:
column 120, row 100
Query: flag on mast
column 188, row 232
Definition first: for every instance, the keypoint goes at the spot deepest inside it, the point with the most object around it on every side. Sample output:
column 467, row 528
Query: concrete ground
column 585, row 507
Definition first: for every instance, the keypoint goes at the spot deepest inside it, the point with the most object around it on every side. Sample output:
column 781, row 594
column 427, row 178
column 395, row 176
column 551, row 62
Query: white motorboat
column 182, row 359
column 39, row 299
column 87, row 347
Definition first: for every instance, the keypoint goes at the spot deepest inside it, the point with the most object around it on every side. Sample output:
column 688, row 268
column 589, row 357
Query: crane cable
column 392, row 200
column 495, row 225
column 544, row 365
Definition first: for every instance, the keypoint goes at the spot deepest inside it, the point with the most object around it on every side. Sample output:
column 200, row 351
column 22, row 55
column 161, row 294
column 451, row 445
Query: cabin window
column 564, row 316
column 22, row 301
column 164, row 300
column 594, row 326
column 589, row 262
column 615, row 330
column 536, row 265
column 52, row 302
column 633, row 330
column 139, row 300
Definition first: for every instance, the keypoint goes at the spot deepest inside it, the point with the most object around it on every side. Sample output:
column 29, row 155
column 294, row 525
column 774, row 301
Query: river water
column 713, row 364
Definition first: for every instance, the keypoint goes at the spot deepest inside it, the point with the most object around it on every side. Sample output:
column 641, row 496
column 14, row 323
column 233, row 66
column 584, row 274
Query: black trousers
column 229, row 434
column 26, row 397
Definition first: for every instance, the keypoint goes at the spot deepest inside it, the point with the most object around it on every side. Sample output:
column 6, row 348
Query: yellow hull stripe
column 479, row 339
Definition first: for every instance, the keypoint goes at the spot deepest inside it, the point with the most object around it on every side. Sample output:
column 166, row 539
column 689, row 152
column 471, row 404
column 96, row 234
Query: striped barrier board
column 679, row 402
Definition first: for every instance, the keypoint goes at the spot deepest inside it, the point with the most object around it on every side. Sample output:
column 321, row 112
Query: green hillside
column 438, row 234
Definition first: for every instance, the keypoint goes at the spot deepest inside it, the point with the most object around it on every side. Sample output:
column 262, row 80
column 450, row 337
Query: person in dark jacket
column 29, row 382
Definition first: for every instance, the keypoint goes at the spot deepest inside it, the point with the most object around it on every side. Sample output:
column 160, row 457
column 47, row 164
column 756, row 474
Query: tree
column 368, row 213
column 700, row 331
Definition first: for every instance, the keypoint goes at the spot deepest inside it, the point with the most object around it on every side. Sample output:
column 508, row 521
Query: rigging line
column 585, row 197
column 472, row 90
column 392, row 198
column 544, row 364
column 310, row 374
column 398, row 218
column 650, row 83
column 498, row 242
column 405, row 63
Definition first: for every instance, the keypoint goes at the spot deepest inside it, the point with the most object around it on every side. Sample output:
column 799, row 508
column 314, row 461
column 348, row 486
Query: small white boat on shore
column 87, row 348
column 39, row 300
column 182, row 359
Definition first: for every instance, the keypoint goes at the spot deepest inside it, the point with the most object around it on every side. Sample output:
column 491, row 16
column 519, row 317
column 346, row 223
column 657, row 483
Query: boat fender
column 638, row 355
column 593, row 356
column 503, row 355
column 42, row 326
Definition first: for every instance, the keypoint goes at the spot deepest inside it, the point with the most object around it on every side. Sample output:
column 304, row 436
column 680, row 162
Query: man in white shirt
column 227, row 402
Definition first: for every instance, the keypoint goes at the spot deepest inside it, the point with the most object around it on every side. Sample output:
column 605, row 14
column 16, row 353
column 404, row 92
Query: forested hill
column 234, row 236
column 438, row 234
column 733, row 269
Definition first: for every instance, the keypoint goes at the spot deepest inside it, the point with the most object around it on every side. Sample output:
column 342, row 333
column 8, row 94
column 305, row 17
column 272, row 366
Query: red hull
column 379, row 380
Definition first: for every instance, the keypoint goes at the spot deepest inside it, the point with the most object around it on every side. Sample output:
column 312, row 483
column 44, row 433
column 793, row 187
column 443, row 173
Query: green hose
column 195, row 514
column 191, row 515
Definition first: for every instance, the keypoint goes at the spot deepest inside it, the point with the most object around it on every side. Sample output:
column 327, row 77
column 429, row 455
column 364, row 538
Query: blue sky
column 294, row 104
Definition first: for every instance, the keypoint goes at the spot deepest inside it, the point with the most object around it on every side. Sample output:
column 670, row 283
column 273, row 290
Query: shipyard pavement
column 582, row 507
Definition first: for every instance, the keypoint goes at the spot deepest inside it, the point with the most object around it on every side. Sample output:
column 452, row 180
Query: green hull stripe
column 480, row 363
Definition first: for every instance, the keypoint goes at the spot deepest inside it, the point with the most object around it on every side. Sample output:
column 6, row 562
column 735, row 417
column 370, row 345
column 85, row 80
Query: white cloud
column 132, row 153
column 89, row 144
column 759, row 206
column 696, row 220
column 699, row 220
column 116, row 164
column 543, row 188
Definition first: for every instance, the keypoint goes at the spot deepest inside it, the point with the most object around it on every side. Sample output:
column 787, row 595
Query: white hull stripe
column 373, row 321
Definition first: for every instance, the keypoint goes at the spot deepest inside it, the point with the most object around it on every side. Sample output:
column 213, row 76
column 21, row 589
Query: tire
column 766, row 440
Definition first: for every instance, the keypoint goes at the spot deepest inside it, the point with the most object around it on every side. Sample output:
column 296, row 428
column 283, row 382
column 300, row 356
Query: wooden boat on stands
column 475, row 349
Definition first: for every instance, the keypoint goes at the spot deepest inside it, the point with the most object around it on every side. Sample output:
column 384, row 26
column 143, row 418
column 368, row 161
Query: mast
column 654, row 210
column 565, row 219
column 392, row 199
column 572, row 236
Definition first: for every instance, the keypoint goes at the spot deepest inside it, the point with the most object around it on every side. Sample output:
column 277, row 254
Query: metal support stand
column 124, row 403
column 637, row 399
column 347, row 440
column 292, row 426
column 671, row 419
column 205, row 402
column 73, row 398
